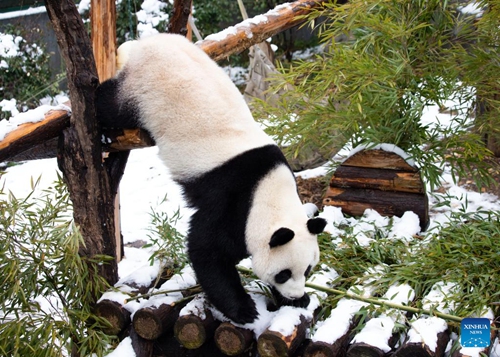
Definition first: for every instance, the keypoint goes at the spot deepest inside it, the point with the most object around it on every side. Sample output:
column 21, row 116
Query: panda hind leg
column 222, row 285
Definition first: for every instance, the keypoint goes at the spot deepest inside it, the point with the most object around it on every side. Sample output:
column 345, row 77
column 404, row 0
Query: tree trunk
column 80, row 157
column 180, row 16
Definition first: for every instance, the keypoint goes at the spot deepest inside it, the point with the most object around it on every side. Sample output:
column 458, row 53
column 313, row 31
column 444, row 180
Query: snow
column 30, row 116
column 124, row 349
column 386, row 147
column 378, row 330
column 20, row 13
column 426, row 330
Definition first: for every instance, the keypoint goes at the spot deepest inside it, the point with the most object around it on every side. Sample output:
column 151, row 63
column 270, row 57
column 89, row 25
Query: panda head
column 292, row 254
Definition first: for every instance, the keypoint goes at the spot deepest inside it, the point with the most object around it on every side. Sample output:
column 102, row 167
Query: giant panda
column 232, row 173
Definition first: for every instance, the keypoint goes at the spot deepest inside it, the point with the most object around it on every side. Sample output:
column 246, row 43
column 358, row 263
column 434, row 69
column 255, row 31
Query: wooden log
column 233, row 340
column 274, row 344
column 248, row 34
column 364, row 350
column 152, row 322
column 336, row 349
column 377, row 179
column 354, row 202
column 380, row 159
column 29, row 135
column 192, row 331
column 422, row 349
column 113, row 312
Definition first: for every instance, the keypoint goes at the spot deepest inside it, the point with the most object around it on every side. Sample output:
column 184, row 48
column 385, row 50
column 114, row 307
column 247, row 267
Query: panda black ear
column 281, row 236
column 316, row 225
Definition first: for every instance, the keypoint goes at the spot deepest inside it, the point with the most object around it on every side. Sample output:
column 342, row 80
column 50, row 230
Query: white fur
column 202, row 119
column 276, row 204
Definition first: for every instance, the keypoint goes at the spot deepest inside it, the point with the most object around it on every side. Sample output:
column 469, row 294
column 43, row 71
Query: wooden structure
column 380, row 180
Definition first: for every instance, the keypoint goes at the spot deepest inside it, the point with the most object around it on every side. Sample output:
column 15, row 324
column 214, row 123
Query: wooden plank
column 354, row 202
column 380, row 159
column 380, row 179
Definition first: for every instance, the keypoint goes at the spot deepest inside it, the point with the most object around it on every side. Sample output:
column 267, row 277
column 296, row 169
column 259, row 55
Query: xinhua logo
column 475, row 332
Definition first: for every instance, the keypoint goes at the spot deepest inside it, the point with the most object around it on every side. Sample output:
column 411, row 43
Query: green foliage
column 25, row 73
column 384, row 61
column 462, row 251
column 46, row 287
column 168, row 242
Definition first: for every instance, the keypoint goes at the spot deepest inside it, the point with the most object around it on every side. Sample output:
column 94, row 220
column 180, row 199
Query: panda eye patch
column 308, row 271
column 283, row 276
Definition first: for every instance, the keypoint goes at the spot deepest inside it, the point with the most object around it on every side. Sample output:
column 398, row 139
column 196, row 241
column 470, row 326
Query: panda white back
column 235, row 177
column 194, row 112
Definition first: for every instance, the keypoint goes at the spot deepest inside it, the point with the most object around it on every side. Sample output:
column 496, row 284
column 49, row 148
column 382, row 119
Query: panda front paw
column 244, row 312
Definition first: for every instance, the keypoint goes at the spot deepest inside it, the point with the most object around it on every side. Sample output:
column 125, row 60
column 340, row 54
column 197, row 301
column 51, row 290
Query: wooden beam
column 246, row 34
column 258, row 29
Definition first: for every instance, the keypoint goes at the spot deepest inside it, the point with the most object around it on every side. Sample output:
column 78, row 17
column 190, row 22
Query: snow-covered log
column 252, row 31
column 192, row 331
column 153, row 321
column 232, row 340
column 423, row 350
column 115, row 314
column 380, row 178
column 275, row 344
column 377, row 337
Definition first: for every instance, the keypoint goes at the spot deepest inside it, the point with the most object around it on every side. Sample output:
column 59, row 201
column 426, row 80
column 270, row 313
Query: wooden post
column 179, row 19
column 90, row 186
column 103, row 21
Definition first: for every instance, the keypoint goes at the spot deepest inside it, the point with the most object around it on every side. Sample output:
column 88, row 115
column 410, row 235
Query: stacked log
column 232, row 340
column 366, row 343
column 275, row 343
column 380, row 179
column 164, row 324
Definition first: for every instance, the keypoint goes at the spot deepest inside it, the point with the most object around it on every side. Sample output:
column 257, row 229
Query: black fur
column 281, row 236
column 283, row 301
column 283, row 276
column 110, row 112
column 222, row 198
column 316, row 225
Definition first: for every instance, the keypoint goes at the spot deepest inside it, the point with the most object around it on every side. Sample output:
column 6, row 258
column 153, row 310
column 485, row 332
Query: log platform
column 380, row 180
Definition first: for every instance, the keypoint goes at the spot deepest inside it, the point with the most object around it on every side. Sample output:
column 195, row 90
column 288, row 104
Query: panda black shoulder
column 112, row 110
column 223, row 198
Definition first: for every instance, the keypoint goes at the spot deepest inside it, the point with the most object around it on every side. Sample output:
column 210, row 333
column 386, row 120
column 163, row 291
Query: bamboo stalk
column 374, row 300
